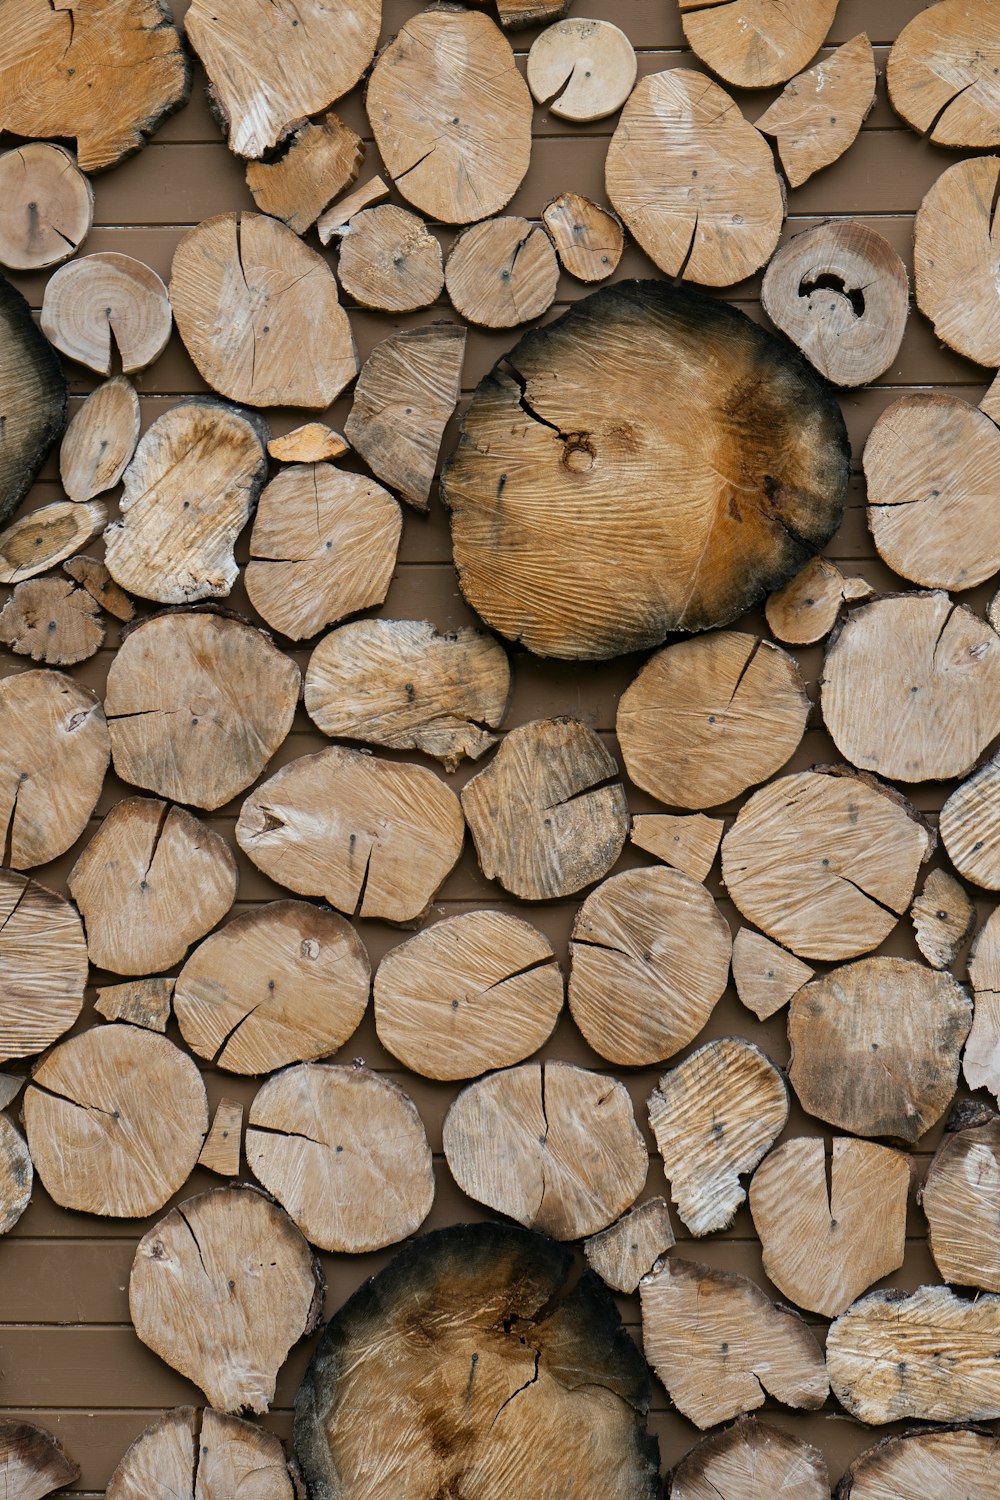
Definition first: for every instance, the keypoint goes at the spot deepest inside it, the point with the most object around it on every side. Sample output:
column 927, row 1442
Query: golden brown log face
column 954, row 272
column 100, row 440
column 311, row 443
column 589, row 239
column 624, row 1252
column 716, row 447
column 16, row 1178
column 751, row 1461
column 194, row 1454
column 961, row 1198
column 907, row 1467
column 48, row 206
column 941, row 77
column 33, row 398
column 756, row 43
column 321, row 160
column 819, row 113
column 32, row 1463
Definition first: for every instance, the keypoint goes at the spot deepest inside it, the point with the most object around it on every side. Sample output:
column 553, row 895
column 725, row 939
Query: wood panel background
column 69, row 1358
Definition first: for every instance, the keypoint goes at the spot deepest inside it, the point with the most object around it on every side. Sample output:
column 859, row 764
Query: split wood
column 809, row 136
column 320, row 160
column 688, row 843
column 193, row 1454
column 589, row 240
column 622, row 1254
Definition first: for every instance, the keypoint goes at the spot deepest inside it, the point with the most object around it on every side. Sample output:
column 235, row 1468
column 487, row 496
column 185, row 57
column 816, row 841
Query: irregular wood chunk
column 544, row 820
column 970, row 827
column 806, row 609
column 408, row 388
column 115, row 1119
column 100, row 440
column 221, row 1151
column 622, row 1254
column 943, row 916
column 309, row 444
column 689, row 844
column 333, row 221
column 45, row 536
column 322, row 158
column 953, row 273
column 10, row 1086
column 993, row 611
column 451, row 114
column 840, row 292
column 105, row 297
column 48, row 206
column 908, row 1467
column 401, row 684
column 607, row 411
column 258, row 311
column 283, row 983
column 926, row 1354
column 941, row 76
column 471, row 994
column 721, row 1347
column 51, row 621
column 95, row 578
column 32, row 1462
column 389, row 260
column 755, row 44
column 809, row 136
column 502, row 272
column 751, row 1461
column 15, row 1187
column 374, row 837
column 961, row 1198
column 589, row 240
column 517, row 14
column 581, row 70
column 140, row 1002
column 221, row 1288
column 202, row 1455
column 269, row 66
column 551, row 1145
column 714, row 1116
column 765, row 976
column 981, row 1062
column 197, row 704
column 468, row 1360
column 693, row 217
column 707, row 718
column 32, row 398
column 649, row 960
column 152, row 880
column 323, row 545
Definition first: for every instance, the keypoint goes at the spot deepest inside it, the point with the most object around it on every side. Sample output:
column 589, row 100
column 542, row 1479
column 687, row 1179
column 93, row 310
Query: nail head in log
column 755, row 44
column 581, row 70
column 809, row 136
column 765, row 975
column 190, row 1454
column 876, row 1044
column 553, row 1146
column 32, row 1462
column 33, row 397
column 751, row 1461
column 943, row 916
column 46, row 536
column 43, row 966
column 981, row 1063
column 941, row 77
column 623, row 1253
column 689, row 843
column 589, row 240
column 502, row 272
column 100, row 440
column 322, row 158
column 970, row 826
column 390, row 261
column 954, row 273
column 961, row 1198
column 48, row 206
column 52, row 622
column 16, row 1178
column 140, row 1002
column 808, row 606
column 468, row 1362
column 105, row 302
column 221, row 1288
column 609, row 408
column 910, row 1465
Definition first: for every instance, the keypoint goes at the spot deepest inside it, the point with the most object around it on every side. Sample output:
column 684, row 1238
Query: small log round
column 589, row 240
column 309, row 444
column 140, row 1002
column 818, row 115
column 911, row 1464
column 943, row 916
column 100, row 440
column 753, row 43
column 970, row 826
column 961, row 1199
column 105, row 297
column 32, row 1462
column 33, row 398
column 981, row 1062
column 46, row 536
column 765, row 976
column 52, row 622
column 688, row 843
column 320, row 160
column 189, row 1454
column 750, row 1461
column 954, row 273
column 502, row 272
column 623, row 1253
column 16, row 1178
column 93, row 576
column 390, row 261
column 940, row 74
column 806, row 609
column 48, row 206
column 581, row 70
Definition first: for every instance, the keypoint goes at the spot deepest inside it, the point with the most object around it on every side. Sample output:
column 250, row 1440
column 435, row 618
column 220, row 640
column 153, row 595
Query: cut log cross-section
column 221, row 1151
column 43, row 966
column 45, row 537
column 970, row 826
column 100, row 440
column 589, row 240
column 818, row 115
column 311, row 443
column 765, row 975
column 140, row 1002
column 502, row 272
column 52, row 622
column 622, row 1254
column 390, row 261
column 93, row 575
column 189, row 1454
column 756, row 43
column 961, row 1198
column 48, row 206
column 941, row 73
column 806, row 609
column 943, row 916
column 688, row 843
column 953, row 273
column 981, row 1063
column 33, row 398
column 16, row 1177
column 751, row 1461
column 321, row 159
column 909, row 1466
column 581, row 69
column 106, row 301
column 32, row 1462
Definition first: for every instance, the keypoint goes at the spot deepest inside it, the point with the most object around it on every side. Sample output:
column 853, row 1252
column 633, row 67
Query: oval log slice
column 43, row 966
column 970, row 826
column 750, row 1461
column 189, row 1454
column 103, row 299
column 46, row 536
column 33, row 397
column 48, row 206
column 756, row 43
column 943, row 917
column 589, row 239
column 100, row 440
column 32, row 1462
column 390, row 261
column 953, row 273
column 581, row 70
column 961, row 1199
column 809, row 136
column 309, row 444
column 981, row 1063
column 502, row 272
column 941, row 75
column 909, row 1466
column 52, row 622
column 16, row 1178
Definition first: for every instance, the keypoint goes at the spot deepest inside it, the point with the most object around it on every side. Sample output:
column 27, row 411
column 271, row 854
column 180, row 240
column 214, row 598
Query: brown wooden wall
column 68, row 1356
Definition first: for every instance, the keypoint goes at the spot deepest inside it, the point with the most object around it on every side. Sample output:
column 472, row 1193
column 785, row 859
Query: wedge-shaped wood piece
column 517, row 14
column 953, row 272
column 589, row 240
column 32, row 397
column 455, row 138
column 202, row 1455
column 44, row 537
column 268, row 69
column 152, row 880
column 981, row 1062
column 32, row 1462
column 649, row 960
column 721, row 1347
column 10, row 1086
column 16, row 1178
column 695, row 183
column 876, row 1044
column 140, row 1002
column 927, row 1354
column 607, row 410
column 755, row 44
column 197, row 704
column 825, row 862
column 323, row 546
column 221, row 1151
column 100, row 440
column 116, row 1118
column 553, row 1146
column 557, row 1400
column 544, row 818
column 43, row 966
column 309, row 444
column 389, row 260
column 402, row 684
column 52, row 622
column 943, row 916
column 940, row 73
column 961, row 1198
column 818, row 115
column 472, row 993
column 765, row 975
column 750, row 1461
column 714, row 1116
column 623, row 1253
column 342, row 212
column 221, row 1288
column 908, row 1467
column 806, row 609
column 502, row 272
column 282, row 983
column 189, row 492
column 321, row 159
column 107, row 301
column 581, row 70
column 970, row 826
column 48, row 206
column 374, row 837
column 689, row 843
column 95, row 578
column 344, row 1152
column 408, row 388
column 258, row 312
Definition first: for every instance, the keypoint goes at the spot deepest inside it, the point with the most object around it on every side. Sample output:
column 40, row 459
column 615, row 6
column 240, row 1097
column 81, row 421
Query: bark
column 342, row 212
column 140, row 1002
column 755, row 44
column 953, row 267
column 765, row 975
column 943, row 917
column 95, row 578
column 940, row 74
column 623, row 1253
column 100, row 440
column 309, row 444
column 808, row 606
column 818, row 115
column 52, row 622
column 502, row 272
column 913, row 1465
column 321, row 160
column 751, row 1462
column 16, row 1178
column 970, row 827
column 221, row 1151
column 189, row 1454
column 689, row 844
column 32, row 1462
column 106, row 302
column 33, row 399
column 390, row 261
column 961, row 1199
column 48, row 206
column 43, row 966
column 581, row 70
column 981, row 1063
column 46, row 536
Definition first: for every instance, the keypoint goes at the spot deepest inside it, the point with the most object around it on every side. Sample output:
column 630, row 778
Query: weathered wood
column 806, row 609
column 631, row 379
column 104, row 302
column 751, row 1461
column 140, row 1002
column 502, row 272
column 95, row 578
column 714, row 1116
column 408, row 388
column 116, row 1118
column 941, row 77
column 32, row 1462
column 471, row 994
column 953, row 273
column 309, row 444
column 221, row 1151
column 581, row 70
column 517, row 14
column 322, row 158
column 908, row 1467
column 188, row 1454
column 100, row 440
column 755, row 43
column 981, row 1062
column 221, row 1288
column 344, row 1152
column 52, row 622
column 589, row 240
column 943, row 916
column 551, row 1145
column 961, row 1198
column 342, row 212
column 970, row 827
column 374, row 837
column 809, row 136
column 48, row 206
column 16, row 1178
column 10, row 1086
column 623, row 1253
column 46, row 536
column 197, row 704
column 765, row 975
column 688, row 843
column 33, row 398
column 390, row 261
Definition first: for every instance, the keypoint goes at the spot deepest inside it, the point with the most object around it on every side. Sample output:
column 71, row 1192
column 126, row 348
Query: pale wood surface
column 100, row 440
column 48, row 206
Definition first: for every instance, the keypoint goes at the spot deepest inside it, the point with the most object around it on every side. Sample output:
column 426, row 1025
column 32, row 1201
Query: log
column 907, row 1467
column 970, row 827
column 517, row 14
column 269, row 69
column 981, row 1063
column 46, row 536
column 630, row 380
column 402, row 684
column 258, row 312
column 765, row 975
column 721, row 1346
column 342, row 212
column 545, row 817
column 841, row 294
column 344, row 1152
column 694, row 182
column 940, row 74
column 10, row 1086
column 32, row 1462
column 943, row 917
column 189, row 1454
column 649, row 961
column 320, row 161
column 707, row 718
column 237, row 697
column 408, row 388
column 52, row 622
column 689, row 844
column 151, row 881
column 140, row 1002
column 911, row 687
column 221, row 1288
column 33, row 398
column 323, row 545
column 100, row 440
column 830, row 1226
column 469, row 995
column 875, row 1046
column 105, row 74
column 43, row 966
column 581, row 70
column 48, row 206
column 755, row 44
column 589, row 239
column 106, row 302
column 455, row 139
column 390, row 261
column 809, row 137
column 16, row 1178
column 925, row 1354
column 714, row 1116
column 953, row 273
column 283, row 983
column 551, row 1145
column 750, row 1461
column 808, row 606
column 469, row 1361
column 623, row 1253
column 373, row 837
column 502, row 272
column 221, row 1151
column 961, row 1199
column 116, row 1118
column 309, row 444
column 95, row 578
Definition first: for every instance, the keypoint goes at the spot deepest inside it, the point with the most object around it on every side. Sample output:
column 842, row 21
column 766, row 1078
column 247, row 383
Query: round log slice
column 806, row 609
column 15, row 1177
column 389, row 260
column 189, row 1454
column 45, row 536
column 970, row 826
column 943, row 917
column 43, row 966
column 103, row 300
column 755, row 43
column 48, row 206
column 581, row 70
column 940, row 73
column 100, row 440
column 961, row 1198
column 809, row 136
column 750, row 1461
column 52, row 622
column 32, row 1463
column 589, row 240
column 953, row 273
column 981, row 1063
column 907, row 1467
column 33, row 397
column 502, row 272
